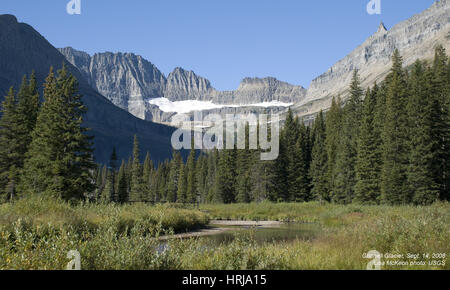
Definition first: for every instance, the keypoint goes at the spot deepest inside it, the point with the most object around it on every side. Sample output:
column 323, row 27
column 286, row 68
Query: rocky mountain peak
column 126, row 79
column 382, row 28
column 186, row 85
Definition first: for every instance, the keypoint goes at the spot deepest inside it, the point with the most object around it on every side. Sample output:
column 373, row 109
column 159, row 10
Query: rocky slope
column 186, row 85
column 416, row 38
column 125, row 79
column 23, row 49
column 129, row 81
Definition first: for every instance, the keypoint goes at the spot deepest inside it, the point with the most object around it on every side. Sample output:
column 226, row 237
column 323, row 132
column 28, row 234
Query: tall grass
column 37, row 234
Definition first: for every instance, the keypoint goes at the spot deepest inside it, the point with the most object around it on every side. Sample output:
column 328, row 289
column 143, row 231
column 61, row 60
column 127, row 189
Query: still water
column 274, row 234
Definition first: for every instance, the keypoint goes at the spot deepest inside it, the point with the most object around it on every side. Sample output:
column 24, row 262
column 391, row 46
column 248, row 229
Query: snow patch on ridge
column 184, row 107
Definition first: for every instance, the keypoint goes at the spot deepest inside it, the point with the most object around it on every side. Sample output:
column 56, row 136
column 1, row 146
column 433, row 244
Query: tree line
column 386, row 145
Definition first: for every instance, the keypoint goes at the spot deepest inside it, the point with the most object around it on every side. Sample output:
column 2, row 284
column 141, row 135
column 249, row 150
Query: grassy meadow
column 38, row 234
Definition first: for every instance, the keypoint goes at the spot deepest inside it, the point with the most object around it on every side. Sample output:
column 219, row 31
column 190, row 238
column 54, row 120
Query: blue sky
column 222, row 40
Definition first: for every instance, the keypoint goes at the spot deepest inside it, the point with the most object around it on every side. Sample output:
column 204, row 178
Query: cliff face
column 256, row 90
column 125, row 79
column 129, row 81
column 186, row 85
column 416, row 38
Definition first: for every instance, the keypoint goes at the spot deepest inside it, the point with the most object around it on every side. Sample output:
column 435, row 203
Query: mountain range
column 131, row 82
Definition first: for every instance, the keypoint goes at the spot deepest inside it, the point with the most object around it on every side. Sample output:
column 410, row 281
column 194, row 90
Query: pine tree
column 284, row 168
column 182, row 184
column 441, row 114
column 59, row 162
column 422, row 185
column 136, row 186
column 27, row 111
column 395, row 137
column 368, row 164
column 162, row 193
column 8, row 145
column 174, row 176
column 333, row 131
column 146, row 178
column 103, row 194
column 319, row 164
column 244, row 165
column 345, row 176
column 211, row 178
column 122, row 188
column 297, row 167
column 191, row 190
column 226, row 177
column 15, row 131
column 104, row 190
column 202, row 177
column 445, row 194
column 112, row 176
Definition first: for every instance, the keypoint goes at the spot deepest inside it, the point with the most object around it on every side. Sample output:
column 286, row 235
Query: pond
column 265, row 234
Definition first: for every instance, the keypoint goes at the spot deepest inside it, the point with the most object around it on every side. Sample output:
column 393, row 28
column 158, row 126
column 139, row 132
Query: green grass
column 347, row 233
column 37, row 234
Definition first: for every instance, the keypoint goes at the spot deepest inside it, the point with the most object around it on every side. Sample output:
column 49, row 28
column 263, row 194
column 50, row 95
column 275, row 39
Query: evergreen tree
column 333, row 132
column 211, row 178
column 296, row 156
column 136, row 186
column 226, row 177
column 122, row 188
column 182, row 184
column 162, row 193
column 59, row 162
column 368, row 164
column 395, row 137
column 146, row 178
column 202, row 177
column 244, row 165
column 284, row 171
column 27, row 111
column 345, row 176
column 103, row 193
column 19, row 120
column 112, row 176
column 319, row 164
column 8, row 145
column 104, row 190
column 191, row 191
column 441, row 128
column 174, row 176
column 422, row 185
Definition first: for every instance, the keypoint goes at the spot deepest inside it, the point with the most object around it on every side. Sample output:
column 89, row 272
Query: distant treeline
column 388, row 145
